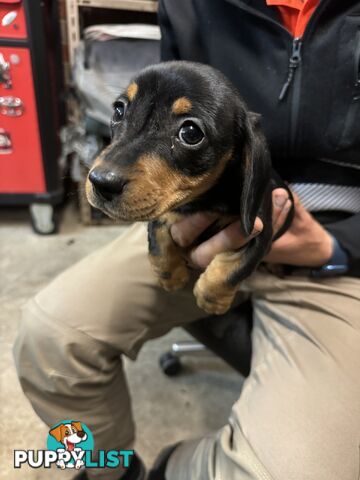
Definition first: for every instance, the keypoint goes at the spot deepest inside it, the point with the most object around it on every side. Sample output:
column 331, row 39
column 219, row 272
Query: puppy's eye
column 190, row 133
column 119, row 111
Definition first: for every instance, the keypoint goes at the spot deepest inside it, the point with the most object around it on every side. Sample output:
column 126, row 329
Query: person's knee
column 30, row 346
column 37, row 344
column 106, row 296
column 50, row 356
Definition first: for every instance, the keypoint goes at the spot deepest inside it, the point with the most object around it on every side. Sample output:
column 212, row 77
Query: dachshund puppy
column 183, row 141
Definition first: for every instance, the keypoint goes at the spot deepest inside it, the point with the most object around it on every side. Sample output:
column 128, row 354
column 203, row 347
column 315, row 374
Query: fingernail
column 287, row 204
column 257, row 228
column 280, row 200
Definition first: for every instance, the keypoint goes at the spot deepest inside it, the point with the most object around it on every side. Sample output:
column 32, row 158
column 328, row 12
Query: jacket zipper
column 294, row 77
column 294, row 64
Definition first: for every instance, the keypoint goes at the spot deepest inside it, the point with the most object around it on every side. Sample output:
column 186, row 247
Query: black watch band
column 337, row 265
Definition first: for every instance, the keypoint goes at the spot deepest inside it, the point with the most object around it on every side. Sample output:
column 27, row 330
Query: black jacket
column 314, row 130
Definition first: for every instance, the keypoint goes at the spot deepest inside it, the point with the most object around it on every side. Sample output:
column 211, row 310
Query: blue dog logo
column 70, row 435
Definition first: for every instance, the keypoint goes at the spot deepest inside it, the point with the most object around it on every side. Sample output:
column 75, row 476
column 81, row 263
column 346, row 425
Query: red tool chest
column 30, row 110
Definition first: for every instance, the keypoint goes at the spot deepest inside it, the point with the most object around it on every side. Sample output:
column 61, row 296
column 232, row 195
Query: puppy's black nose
column 80, row 433
column 107, row 183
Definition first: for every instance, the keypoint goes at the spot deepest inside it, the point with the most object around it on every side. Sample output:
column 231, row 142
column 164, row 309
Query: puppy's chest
column 223, row 200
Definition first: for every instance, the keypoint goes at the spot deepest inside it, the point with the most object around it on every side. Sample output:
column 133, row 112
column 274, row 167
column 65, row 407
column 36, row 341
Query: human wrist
column 324, row 250
column 339, row 254
column 337, row 264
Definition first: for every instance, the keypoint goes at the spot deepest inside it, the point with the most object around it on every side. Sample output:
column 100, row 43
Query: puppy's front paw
column 174, row 280
column 79, row 464
column 61, row 464
column 214, row 301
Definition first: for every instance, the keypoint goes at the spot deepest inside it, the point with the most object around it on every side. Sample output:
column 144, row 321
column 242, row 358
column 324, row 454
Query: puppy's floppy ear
column 57, row 433
column 254, row 168
column 77, row 425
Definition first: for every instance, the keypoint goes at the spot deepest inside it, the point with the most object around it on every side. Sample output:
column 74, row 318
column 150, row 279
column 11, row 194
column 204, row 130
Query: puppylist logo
column 70, row 444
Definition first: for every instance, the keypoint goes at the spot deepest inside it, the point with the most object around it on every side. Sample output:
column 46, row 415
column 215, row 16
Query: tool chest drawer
column 12, row 19
column 20, row 149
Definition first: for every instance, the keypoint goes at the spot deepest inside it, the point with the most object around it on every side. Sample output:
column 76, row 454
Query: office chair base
column 170, row 362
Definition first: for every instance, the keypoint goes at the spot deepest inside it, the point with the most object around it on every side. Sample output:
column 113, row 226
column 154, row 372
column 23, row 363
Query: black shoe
column 136, row 471
column 158, row 470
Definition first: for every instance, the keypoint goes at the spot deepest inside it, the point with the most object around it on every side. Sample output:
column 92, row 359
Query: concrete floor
column 166, row 410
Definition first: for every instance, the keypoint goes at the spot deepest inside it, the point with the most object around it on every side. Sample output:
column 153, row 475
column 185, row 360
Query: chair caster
column 170, row 364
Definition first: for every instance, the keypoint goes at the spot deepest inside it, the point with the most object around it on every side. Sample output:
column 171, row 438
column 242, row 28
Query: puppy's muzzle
column 107, row 184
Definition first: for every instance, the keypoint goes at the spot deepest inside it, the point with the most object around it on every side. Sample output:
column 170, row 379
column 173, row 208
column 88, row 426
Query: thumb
column 300, row 211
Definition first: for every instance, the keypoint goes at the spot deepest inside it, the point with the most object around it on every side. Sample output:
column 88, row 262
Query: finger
column 297, row 201
column 281, row 219
column 185, row 231
column 279, row 199
column 228, row 239
column 300, row 210
column 301, row 213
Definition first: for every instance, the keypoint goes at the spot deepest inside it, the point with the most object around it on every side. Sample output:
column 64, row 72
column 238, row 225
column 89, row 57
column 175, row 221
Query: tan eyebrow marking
column 132, row 91
column 181, row 106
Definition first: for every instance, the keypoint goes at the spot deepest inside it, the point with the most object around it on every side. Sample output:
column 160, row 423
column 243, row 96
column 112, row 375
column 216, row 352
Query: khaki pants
column 298, row 416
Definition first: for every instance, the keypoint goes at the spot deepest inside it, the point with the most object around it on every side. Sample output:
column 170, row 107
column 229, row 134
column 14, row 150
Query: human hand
column 306, row 243
column 230, row 238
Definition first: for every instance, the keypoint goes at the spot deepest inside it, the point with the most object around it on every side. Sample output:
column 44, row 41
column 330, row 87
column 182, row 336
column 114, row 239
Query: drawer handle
column 5, row 142
column 11, row 106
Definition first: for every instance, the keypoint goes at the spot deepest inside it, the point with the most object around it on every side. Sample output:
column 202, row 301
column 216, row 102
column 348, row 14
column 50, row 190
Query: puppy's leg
column 61, row 463
column 165, row 257
column 213, row 291
column 217, row 286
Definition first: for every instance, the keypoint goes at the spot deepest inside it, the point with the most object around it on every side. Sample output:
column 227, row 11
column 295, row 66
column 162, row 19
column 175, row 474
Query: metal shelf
column 137, row 5
column 72, row 14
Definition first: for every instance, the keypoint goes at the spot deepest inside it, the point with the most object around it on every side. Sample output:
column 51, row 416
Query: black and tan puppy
column 183, row 141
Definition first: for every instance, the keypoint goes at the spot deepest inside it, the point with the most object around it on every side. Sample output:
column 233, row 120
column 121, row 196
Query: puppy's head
column 69, row 434
column 174, row 131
